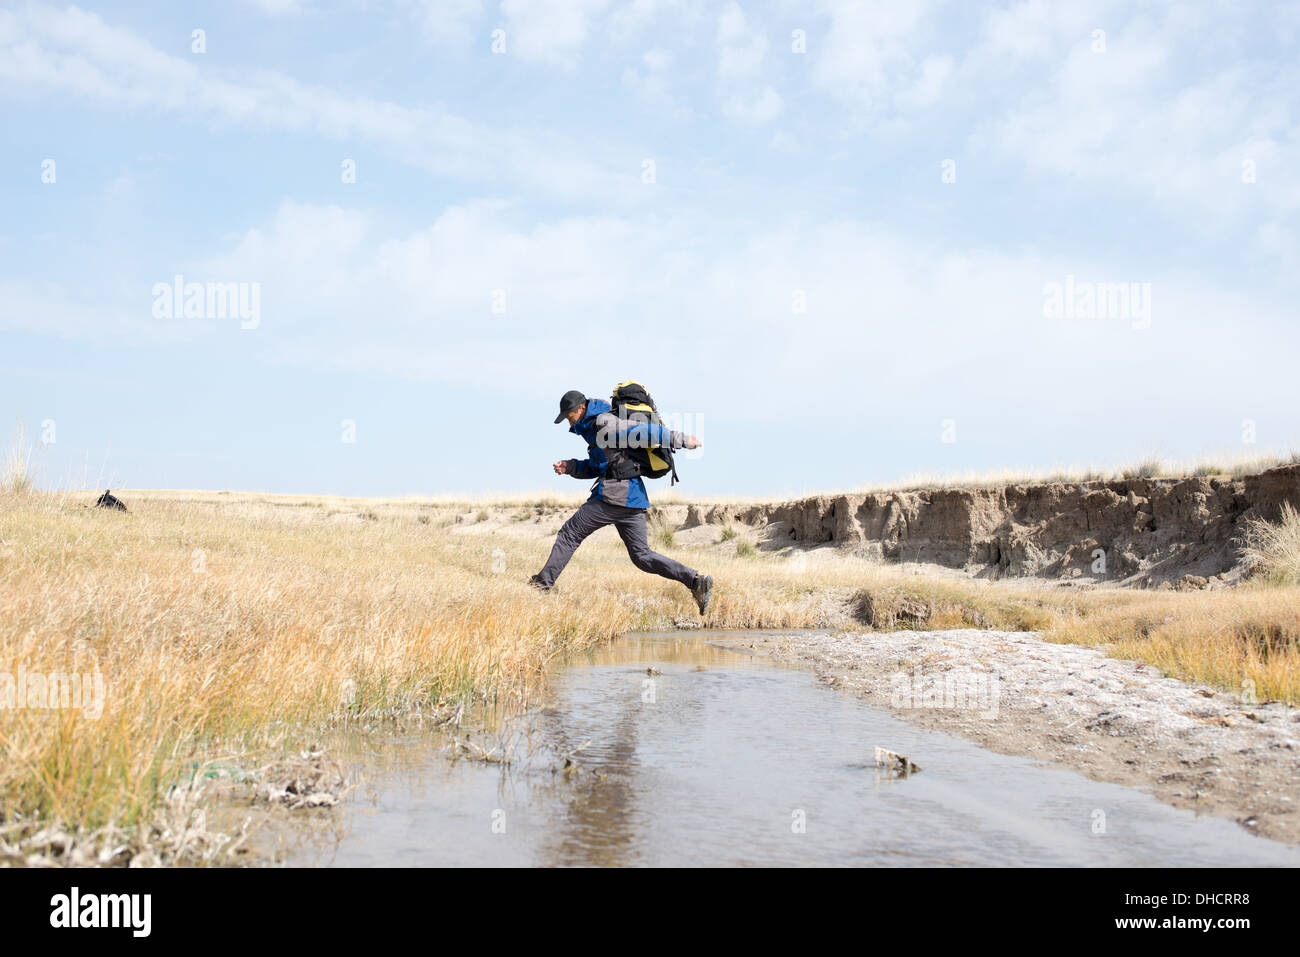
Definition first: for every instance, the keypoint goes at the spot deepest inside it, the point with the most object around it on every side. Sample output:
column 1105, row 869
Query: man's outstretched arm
column 578, row 468
column 642, row 435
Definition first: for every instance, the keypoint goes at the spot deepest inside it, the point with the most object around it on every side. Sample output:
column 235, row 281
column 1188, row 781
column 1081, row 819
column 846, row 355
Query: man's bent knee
column 573, row 530
column 644, row 559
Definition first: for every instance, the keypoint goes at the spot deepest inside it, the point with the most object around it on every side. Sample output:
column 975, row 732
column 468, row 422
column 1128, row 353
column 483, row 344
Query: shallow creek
column 682, row 753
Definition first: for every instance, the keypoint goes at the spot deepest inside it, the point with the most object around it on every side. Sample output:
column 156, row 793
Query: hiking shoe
column 537, row 583
column 702, row 589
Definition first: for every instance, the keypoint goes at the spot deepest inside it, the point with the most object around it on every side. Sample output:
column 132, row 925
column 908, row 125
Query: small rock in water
column 686, row 623
column 895, row 761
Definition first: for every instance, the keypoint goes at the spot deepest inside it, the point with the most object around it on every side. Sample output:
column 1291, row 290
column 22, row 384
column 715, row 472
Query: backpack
column 631, row 401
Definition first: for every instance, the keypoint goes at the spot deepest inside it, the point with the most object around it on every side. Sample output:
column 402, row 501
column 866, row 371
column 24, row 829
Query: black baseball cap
column 568, row 402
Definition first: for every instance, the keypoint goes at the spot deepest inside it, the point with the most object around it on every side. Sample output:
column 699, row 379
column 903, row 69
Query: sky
column 841, row 242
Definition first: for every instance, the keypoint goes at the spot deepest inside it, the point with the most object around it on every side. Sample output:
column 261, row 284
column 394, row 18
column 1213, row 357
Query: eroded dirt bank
column 1149, row 531
column 1112, row 720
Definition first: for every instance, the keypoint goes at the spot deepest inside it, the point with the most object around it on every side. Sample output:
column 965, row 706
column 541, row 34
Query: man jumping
column 618, row 498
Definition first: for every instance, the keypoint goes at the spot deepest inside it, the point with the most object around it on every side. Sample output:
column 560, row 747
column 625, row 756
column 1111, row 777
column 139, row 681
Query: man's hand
column 561, row 467
column 692, row 442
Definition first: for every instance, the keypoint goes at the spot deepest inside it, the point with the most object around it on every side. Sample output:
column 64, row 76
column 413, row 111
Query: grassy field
column 230, row 624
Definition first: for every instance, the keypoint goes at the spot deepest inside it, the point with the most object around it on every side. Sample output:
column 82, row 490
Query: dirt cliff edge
column 1143, row 531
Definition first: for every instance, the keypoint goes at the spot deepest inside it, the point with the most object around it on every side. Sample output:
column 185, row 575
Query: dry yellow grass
column 1274, row 547
column 224, row 623
column 1234, row 464
column 238, row 623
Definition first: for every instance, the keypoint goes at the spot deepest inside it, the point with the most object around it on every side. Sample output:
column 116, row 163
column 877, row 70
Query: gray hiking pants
column 630, row 523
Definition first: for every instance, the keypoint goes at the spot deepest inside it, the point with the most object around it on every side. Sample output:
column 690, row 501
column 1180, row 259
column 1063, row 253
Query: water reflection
column 717, row 758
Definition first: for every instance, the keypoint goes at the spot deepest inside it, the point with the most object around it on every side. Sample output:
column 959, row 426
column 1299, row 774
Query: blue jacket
column 602, row 430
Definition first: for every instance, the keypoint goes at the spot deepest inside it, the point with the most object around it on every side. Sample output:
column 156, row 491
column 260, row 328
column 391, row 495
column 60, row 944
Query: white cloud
column 657, row 59
column 549, row 31
column 628, row 22
column 1128, row 119
column 1279, row 244
column 870, row 51
column 419, row 305
column 754, row 108
column 742, row 48
column 652, row 82
column 74, row 53
column 450, row 24
column 280, row 8
column 1035, row 29
column 886, row 313
column 1181, row 96
column 929, row 85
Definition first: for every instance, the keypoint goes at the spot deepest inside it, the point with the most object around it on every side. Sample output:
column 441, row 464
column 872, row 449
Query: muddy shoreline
column 1112, row 720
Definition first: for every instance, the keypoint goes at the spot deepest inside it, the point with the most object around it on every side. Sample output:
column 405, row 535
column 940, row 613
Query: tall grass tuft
column 1274, row 548
column 16, row 468
column 1148, row 468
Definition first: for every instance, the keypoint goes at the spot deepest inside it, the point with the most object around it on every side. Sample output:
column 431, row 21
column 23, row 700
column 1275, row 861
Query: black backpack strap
column 622, row 466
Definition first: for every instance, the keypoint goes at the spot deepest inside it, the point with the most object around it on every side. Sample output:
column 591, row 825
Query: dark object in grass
column 109, row 500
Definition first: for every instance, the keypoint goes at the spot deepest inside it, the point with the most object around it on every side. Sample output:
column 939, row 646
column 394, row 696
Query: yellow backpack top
column 630, row 400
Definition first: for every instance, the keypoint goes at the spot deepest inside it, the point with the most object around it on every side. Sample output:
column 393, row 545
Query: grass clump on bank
column 16, row 464
column 1274, row 548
